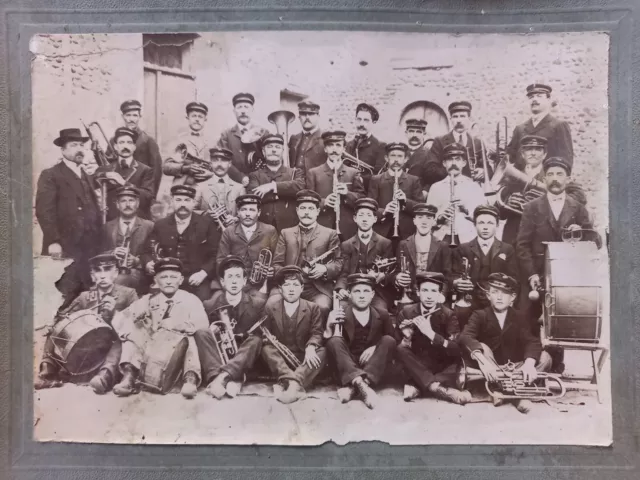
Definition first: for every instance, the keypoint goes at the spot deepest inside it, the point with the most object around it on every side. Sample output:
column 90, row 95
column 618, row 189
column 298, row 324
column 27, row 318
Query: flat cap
column 556, row 162
column 503, row 282
column 424, row 209
column 230, row 261
column 124, row 131
column 365, row 107
column 128, row 191
column 416, row 123
column 462, row 106
column 103, row 260
column 538, row 88
column 333, row 136
column 396, row 146
column 243, row 98
column 454, row 150
column 360, row 279
column 308, row 196
column 272, row 138
column 186, row 190
column 486, row 210
column 217, row 152
column 308, row 107
column 130, row 105
column 248, row 199
column 533, row 141
column 369, row 203
column 168, row 263
column 433, row 277
column 197, row 107
column 284, row 272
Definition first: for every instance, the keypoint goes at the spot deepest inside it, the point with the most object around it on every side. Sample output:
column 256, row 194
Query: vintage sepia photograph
column 299, row 237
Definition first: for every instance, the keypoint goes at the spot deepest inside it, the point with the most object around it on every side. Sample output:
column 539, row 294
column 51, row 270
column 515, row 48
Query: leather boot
column 218, row 387
column 369, row 397
column 102, row 382
column 128, row 384
column 410, row 392
column 293, row 393
column 190, row 385
column 460, row 397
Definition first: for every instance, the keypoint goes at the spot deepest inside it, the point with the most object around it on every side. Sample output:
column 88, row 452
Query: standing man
column 147, row 151
column 420, row 164
column 365, row 347
column 460, row 114
column 406, row 197
column 232, row 138
column 304, row 243
column 68, row 214
column 458, row 201
column 277, row 185
column 127, row 236
column 341, row 196
column 365, row 146
column 428, row 351
column 306, row 149
column 127, row 171
column 543, row 124
column 189, row 237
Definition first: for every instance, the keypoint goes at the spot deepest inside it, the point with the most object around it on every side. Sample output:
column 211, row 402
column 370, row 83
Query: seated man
column 428, row 350
column 502, row 334
column 296, row 324
column 107, row 298
column 360, row 341
column 222, row 377
column 169, row 309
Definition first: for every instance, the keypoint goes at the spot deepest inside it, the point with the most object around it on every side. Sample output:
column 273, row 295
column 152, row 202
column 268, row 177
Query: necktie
column 127, row 228
column 304, row 230
column 123, row 165
column 167, row 312
column 195, row 134
column 221, row 180
column 243, row 131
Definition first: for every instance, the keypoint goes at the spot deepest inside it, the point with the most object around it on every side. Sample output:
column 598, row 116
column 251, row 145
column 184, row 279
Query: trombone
column 487, row 186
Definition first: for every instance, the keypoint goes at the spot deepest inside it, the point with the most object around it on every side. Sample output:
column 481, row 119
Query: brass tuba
column 506, row 173
column 281, row 119
column 223, row 335
column 259, row 269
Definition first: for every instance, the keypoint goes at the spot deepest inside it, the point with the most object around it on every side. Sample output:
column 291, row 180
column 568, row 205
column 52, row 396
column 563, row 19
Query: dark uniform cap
column 243, row 97
column 308, row 196
column 369, row 203
column 533, row 141
column 396, row 146
column 124, row 131
column 288, row 270
column 228, row 262
column 433, row 277
column 538, row 88
column 128, row 190
column 168, row 263
column 308, row 107
column 424, row 209
column 333, row 136
column 463, row 106
column 217, row 152
column 486, row 210
column 360, row 279
column 129, row 105
column 272, row 138
column 556, row 162
column 248, row 199
column 187, row 190
column 368, row 108
column 416, row 123
column 453, row 150
column 197, row 107
column 69, row 135
column 503, row 282
column 103, row 260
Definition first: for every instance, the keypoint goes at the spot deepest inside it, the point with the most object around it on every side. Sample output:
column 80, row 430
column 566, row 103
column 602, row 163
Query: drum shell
column 164, row 361
column 82, row 340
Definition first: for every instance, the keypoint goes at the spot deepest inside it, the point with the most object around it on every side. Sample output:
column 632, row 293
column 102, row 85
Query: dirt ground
column 75, row 413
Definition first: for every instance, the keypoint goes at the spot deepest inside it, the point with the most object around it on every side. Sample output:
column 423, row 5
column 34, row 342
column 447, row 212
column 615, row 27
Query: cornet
column 223, row 217
column 259, row 270
column 122, row 262
column 404, row 268
column 384, row 265
column 223, row 335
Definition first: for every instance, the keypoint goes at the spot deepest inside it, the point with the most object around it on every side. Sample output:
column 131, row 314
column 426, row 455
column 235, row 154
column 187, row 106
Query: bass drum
column 163, row 362
column 81, row 341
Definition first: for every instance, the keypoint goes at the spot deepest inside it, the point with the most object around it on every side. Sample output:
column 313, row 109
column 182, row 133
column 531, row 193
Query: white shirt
column 485, row 245
column 123, row 225
column 502, row 317
column 363, row 316
column 556, row 202
column 181, row 224
column 332, row 164
column 460, row 138
column 75, row 168
column 290, row 308
column 249, row 231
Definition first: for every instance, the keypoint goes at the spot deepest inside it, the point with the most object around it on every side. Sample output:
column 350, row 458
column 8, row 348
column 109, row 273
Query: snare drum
column 81, row 341
column 164, row 360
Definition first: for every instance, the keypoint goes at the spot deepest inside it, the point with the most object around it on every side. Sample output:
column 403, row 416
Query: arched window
column 437, row 120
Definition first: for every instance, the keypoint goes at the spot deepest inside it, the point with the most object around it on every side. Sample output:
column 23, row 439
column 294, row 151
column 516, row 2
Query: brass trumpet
column 288, row 356
column 223, row 335
column 259, row 269
column 404, row 268
column 384, row 265
column 354, row 162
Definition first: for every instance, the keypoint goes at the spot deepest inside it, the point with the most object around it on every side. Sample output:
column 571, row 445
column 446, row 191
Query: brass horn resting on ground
column 281, row 119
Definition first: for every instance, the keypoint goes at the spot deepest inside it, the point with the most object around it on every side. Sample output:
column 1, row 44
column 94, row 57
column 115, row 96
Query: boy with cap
column 302, row 244
column 467, row 195
column 226, row 378
column 127, row 235
column 297, row 325
column 419, row 164
column 170, row 309
column 341, row 196
column 107, row 298
column 306, row 149
column 247, row 239
column 542, row 123
column 276, row 184
column 422, row 251
column 365, row 146
column 190, row 237
column 405, row 197
column 428, row 350
column 360, row 252
column 364, row 345
column 503, row 334
column 217, row 195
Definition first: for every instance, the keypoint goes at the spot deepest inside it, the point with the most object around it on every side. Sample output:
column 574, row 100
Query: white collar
column 425, row 312
column 488, row 242
column 362, row 316
column 233, row 299
column 560, row 198
column 291, row 308
column 216, row 179
column 75, row 168
column 249, row 229
column 332, row 164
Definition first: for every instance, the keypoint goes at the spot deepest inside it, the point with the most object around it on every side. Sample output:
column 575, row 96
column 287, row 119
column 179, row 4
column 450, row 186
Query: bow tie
column 365, row 237
column 195, row 134
column 484, row 245
column 221, row 180
column 243, row 131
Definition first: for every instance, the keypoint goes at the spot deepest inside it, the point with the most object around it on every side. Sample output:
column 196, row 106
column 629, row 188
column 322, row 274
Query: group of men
column 319, row 264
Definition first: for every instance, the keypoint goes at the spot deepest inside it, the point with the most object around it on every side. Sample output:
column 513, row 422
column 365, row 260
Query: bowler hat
column 69, row 135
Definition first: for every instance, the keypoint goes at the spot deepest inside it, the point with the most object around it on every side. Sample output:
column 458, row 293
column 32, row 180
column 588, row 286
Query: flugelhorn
column 290, row 359
column 354, row 162
column 281, row 119
column 259, row 270
column 222, row 330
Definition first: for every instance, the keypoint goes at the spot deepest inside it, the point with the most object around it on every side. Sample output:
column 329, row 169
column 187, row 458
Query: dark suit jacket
column 514, row 342
column 439, row 257
column 320, row 180
column 278, row 209
column 538, row 225
column 425, row 168
column 381, row 190
column 474, row 144
column 323, row 239
column 308, row 326
column 309, row 157
column 380, row 324
column 124, row 296
column 140, row 231
column 138, row 175
column 246, row 313
column 444, row 324
column 230, row 139
column 558, row 135
column 148, row 153
column 233, row 242
column 202, row 237
column 65, row 214
column 371, row 151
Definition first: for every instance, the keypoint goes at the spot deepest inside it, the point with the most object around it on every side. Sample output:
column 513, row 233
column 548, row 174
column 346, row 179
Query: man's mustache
column 453, row 167
column 535, row 104
column 80, row 155
column 412, row 139
column 126, row 150
column 554, row 184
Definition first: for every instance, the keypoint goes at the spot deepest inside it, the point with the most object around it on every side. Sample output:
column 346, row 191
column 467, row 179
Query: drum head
column 89, row 352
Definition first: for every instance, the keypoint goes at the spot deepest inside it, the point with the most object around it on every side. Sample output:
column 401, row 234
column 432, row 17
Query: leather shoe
column 128, row 384
column 523, row 405
column 101, row 382
column 346, row 394
column 218, row 387
column 190, row 385
column 47, row 371
column 460, row 397
column 410, row 392
column 233, row 388
column 293, row 393
column 369, row 397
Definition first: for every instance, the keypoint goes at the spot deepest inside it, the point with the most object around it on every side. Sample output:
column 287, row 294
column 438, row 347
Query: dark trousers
column 424, row 370
column 304, row 374
column 111, row 361
column 212, row 364
column 348, row 365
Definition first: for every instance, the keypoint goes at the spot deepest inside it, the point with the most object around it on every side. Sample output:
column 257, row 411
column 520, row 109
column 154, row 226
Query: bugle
column 281, row 119
column 222, row 330
column 259, row 270
column 354, row 162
